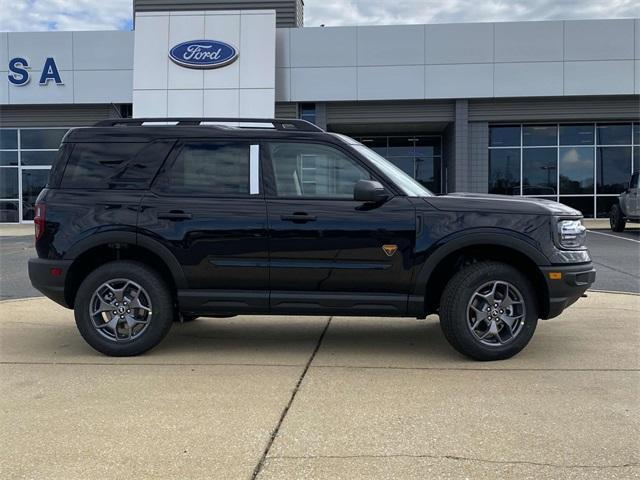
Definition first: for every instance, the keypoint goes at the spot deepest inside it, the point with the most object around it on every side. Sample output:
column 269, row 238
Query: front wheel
column 123, row 308
column 488, row 311
column 616, row 219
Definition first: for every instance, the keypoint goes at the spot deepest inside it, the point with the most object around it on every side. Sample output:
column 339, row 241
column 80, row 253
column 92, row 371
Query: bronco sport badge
column 390, row 249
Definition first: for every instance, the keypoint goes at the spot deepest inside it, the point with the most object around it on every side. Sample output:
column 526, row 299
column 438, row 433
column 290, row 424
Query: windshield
column 408, row 185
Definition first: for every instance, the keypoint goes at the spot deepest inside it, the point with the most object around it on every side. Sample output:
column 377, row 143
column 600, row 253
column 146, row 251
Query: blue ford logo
column 203, row 54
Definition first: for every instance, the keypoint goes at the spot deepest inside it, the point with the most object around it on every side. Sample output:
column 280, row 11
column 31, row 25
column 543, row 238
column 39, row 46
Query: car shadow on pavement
column 245, row 340
column 347, row 339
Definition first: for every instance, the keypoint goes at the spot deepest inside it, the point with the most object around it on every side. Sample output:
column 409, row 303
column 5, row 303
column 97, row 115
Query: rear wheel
column 123, row 308
column 616, row 219
column 488, row 311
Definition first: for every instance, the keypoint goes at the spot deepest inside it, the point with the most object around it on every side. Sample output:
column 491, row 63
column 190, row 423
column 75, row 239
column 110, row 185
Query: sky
column 42, row 15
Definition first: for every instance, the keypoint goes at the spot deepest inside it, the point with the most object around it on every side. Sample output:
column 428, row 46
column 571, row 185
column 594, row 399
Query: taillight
column 39, row 219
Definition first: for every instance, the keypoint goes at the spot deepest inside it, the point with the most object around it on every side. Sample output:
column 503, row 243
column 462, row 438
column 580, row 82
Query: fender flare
column 133, row 238
column 466, row 238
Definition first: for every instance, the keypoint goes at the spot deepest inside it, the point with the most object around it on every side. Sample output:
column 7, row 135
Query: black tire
column 159, row 296
column 458, row 294
column 616, row 219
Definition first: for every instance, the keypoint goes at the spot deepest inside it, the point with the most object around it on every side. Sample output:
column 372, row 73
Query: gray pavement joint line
column 472, row 369
column 276, row 430
column 147, row 364
column 450, row 457
column 355, row 367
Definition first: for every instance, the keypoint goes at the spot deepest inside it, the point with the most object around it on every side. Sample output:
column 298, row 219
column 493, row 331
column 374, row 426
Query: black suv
column 145, row 221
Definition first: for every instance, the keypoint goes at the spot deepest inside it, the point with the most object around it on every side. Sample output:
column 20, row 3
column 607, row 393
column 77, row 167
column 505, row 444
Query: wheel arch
column 104, row 247
column 456, row 253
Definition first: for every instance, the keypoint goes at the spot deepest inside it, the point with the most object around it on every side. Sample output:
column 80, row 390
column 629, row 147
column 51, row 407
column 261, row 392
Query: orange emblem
column 390, row 249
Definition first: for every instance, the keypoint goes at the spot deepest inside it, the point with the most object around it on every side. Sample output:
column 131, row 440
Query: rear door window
column 207, row 168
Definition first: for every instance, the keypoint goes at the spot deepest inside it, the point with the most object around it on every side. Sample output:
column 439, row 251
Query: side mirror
column 369, row 191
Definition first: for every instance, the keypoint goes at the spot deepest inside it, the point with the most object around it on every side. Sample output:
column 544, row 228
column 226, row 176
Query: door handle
column 298, row 218
column 174, row 215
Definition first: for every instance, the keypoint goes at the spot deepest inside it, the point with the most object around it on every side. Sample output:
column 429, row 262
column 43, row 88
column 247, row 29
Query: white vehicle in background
column 628, row 207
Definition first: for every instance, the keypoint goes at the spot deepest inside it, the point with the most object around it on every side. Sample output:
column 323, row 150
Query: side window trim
column 254, row 169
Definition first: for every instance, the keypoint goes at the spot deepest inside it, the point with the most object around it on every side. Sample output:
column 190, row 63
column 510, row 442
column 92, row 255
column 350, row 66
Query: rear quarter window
column 114, row 165
column 57, row 167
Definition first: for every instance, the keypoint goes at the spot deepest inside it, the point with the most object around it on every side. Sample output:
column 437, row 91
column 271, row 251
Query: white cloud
column 34, row 15
column 37, row 15
column 387, row 12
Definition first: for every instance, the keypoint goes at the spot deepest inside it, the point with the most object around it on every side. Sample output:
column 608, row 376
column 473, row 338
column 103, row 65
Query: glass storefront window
column 613, row 134
column 33, row 180
column 539, row 135
column 428, row 172
column 584, row 204
column 21, row 149
column 539, row 171
column 41, row 138
column 504, row 136
column 576, row 170
column 8, row 138
column 428, row 146
column 401, row 147
column 377, row 144
column 9, row 211
column 406, row 164
column 613, row 169
column 604, row 204
column 636, row 158
column 307, row 111
column 8, row 183
column 8, row 159
column 636, row 133
column 577, row 134
column 37, row 157
column 504, row 171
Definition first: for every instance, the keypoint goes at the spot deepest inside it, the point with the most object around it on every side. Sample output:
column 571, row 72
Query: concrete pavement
column 312, row 397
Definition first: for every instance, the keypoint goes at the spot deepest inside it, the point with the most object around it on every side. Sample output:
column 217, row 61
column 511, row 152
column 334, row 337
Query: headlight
column 571, row 234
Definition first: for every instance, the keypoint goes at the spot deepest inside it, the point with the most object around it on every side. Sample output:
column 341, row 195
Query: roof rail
column 278, row 123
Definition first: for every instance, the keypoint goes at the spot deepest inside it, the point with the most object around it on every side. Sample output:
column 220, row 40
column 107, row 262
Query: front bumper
column 52, row 286
column 573, row 282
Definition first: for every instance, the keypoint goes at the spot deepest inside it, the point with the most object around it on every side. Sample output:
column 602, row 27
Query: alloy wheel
column 120, row 310
column 496, row 313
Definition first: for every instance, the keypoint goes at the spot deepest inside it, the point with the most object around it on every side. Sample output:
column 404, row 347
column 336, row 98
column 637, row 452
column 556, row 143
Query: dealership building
column 547, row 109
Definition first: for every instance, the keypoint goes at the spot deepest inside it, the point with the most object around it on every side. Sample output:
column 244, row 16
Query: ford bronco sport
column 145, row 221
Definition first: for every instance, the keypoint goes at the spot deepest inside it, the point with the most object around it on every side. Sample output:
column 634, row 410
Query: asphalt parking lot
column 616, row 257
column 319, row 397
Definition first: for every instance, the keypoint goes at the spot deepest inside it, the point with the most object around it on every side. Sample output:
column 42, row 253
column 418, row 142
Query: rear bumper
column 574, row 281
column 50, row 285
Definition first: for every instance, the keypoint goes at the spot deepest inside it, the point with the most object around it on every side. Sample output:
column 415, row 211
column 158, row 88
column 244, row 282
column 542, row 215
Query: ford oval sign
column 203, row 54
